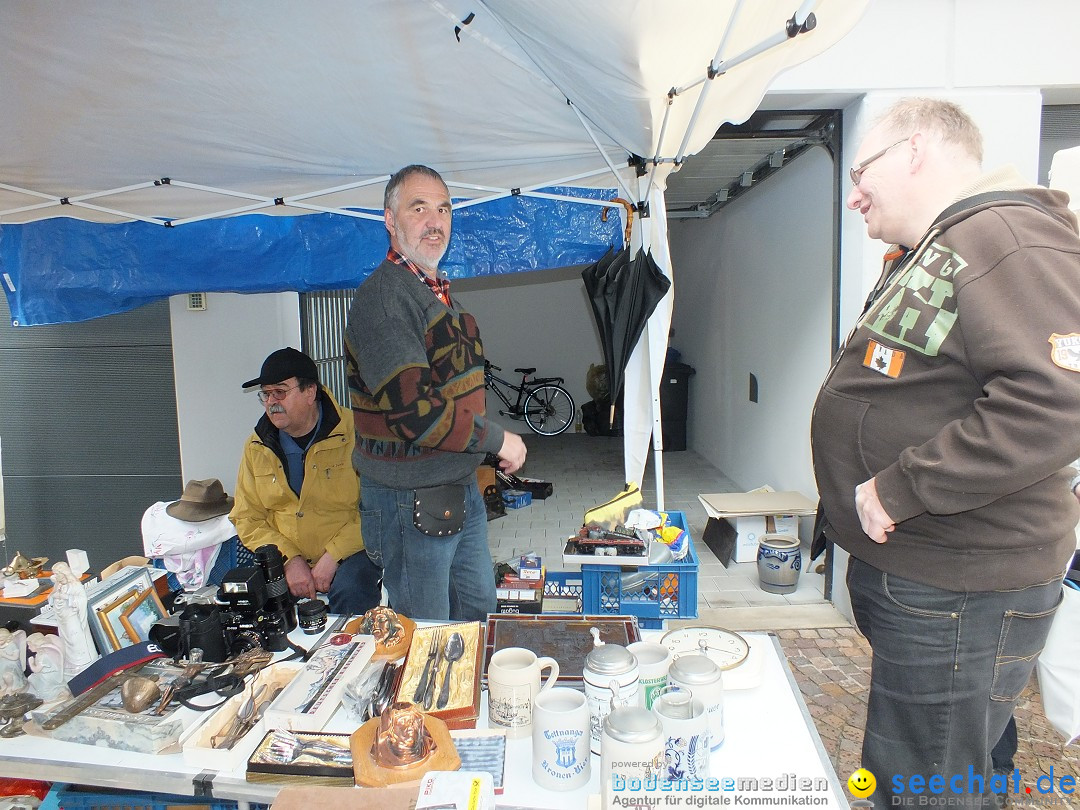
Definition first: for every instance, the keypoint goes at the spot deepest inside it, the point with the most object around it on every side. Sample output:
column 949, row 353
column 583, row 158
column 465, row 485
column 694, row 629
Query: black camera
column 257, row 600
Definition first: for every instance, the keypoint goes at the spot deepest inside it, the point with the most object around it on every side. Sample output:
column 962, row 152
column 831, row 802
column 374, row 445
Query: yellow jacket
column 326, row 516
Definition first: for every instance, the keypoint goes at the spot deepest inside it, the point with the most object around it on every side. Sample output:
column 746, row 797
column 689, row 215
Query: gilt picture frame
column 105, row 606
column 141, row 614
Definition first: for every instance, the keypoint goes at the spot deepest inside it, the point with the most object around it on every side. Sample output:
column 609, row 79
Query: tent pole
column 600, row 149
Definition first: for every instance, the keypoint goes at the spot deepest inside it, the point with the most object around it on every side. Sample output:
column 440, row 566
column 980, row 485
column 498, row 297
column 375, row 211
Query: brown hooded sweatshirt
column 959, row 391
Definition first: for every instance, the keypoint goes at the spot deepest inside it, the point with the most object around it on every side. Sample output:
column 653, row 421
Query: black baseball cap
column 283, row 365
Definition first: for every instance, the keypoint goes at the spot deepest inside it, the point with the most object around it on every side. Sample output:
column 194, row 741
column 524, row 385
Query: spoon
column 455, row 648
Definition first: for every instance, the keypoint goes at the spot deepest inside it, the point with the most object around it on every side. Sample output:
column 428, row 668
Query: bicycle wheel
column 549, row 410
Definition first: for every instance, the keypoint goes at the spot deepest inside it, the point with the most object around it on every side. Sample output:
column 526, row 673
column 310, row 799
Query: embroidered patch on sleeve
column 1065, row 350
column 883, row 360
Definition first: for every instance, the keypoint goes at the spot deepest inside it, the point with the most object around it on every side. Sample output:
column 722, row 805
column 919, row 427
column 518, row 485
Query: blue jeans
column 429, row 577
column 355, row 588
column 947, row 670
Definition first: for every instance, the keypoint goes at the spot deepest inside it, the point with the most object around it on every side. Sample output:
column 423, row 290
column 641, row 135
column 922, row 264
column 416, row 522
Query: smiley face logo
column 861, row 783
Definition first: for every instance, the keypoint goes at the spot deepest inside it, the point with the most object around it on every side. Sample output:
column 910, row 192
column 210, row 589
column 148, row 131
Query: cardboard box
column 197, row 741
column 315, row 692
column 530, row 568
column 525, row 600
column 516, row 498
column 738, row 519
column 107, row 724
column 485, row 477
column 305, row 797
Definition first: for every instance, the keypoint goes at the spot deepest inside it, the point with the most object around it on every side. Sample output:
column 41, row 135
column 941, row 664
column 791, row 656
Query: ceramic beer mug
column 653, row 661
column 701, row 677
column 633, row 748
column 513, row 684
column 560, row 736
column 686, row 733
column 604, row 665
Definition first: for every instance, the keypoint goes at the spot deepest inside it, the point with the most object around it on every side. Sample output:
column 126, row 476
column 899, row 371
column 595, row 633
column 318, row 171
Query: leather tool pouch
column 439, row 511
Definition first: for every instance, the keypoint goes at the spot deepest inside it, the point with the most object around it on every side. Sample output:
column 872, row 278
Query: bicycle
column 546, row 407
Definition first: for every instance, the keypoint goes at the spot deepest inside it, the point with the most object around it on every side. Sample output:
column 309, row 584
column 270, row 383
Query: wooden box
column 463, row 707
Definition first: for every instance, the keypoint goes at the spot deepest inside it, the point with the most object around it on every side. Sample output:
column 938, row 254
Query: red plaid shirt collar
column 439, row 286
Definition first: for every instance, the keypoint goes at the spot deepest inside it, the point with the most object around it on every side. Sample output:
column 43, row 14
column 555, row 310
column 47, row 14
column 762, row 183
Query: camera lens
column 280, row 614
column 271, row 561
column 311, row 614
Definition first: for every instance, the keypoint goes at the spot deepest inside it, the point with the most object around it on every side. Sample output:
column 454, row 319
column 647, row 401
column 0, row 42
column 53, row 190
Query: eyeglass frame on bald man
column 856, row 171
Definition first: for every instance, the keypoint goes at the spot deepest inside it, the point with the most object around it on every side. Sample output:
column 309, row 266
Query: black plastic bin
column 674, row 404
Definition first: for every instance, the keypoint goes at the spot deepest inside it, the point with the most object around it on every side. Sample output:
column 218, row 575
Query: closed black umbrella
column 624, row 292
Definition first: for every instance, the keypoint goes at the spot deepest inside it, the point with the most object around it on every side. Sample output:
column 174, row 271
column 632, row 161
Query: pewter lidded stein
column 607, row 663
column 701, row 677
column 633, row 743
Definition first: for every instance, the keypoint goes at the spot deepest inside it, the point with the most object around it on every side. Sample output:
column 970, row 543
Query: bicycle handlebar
column 489, row 365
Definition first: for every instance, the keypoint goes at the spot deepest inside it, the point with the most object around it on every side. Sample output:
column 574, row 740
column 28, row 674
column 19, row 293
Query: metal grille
column 1061, row 121
column 322, row 335
column 88, row 419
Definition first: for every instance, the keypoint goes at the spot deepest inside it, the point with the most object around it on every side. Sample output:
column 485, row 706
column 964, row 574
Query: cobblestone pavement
column 832, row 668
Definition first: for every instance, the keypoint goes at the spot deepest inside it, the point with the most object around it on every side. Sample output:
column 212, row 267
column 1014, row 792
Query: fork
column 433, row 651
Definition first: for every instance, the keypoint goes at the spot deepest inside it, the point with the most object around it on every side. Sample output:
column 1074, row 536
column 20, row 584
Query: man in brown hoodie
column 941, row 437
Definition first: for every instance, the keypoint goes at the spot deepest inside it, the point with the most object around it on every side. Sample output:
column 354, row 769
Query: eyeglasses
column 276, row 394
column 857, row 170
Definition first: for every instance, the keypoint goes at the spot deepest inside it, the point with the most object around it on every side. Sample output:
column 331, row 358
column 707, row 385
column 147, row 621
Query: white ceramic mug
column 560, row 737
column 702, row 677
column 653, row 661
column 686, row 733
column 513, row 683
column 633, row 749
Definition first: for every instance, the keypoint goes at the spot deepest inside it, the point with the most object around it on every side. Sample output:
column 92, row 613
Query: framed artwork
column 109, row 616
column 141, row 614
column 107, row 603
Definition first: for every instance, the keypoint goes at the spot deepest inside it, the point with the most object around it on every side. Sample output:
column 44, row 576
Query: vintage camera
column 257, row 600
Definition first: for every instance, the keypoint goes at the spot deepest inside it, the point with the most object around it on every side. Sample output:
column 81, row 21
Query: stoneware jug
column 779, row 562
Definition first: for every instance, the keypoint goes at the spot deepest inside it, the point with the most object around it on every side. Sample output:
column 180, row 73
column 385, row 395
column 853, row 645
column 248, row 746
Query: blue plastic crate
column 562, row 583
column 659, row 592
column 75, row 797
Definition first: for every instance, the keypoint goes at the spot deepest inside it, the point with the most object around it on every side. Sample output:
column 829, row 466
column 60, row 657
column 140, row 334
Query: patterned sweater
column 416, row 384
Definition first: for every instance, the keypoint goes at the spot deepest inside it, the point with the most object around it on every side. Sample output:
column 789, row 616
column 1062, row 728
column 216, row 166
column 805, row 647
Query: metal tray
column 565, row 638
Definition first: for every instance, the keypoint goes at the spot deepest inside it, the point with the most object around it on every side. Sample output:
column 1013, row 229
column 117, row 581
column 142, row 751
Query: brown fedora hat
column 201, row 500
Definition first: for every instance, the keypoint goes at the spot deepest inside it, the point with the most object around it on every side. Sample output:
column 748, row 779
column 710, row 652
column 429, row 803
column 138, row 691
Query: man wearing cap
column 416, row 384
column 297, row 489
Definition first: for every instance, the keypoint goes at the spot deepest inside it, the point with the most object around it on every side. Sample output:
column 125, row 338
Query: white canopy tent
column 303, row 110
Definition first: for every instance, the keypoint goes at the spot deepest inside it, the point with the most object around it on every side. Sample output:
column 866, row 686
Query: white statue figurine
column 12, row 661
column 47, row 667
column 68, row 600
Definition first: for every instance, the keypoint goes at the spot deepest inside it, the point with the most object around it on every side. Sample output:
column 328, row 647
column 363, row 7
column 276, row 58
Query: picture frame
column 105, row 596
column 141, row 614
column 109, row 616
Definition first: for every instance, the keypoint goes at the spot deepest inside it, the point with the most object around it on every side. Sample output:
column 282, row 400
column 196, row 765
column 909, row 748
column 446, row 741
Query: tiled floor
column 588, row 470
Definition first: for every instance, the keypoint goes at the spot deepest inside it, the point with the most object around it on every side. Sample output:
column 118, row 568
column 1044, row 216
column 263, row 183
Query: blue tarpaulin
column 62, row 269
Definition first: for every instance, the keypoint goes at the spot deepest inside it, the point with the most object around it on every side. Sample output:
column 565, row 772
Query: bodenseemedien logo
column 861, row 783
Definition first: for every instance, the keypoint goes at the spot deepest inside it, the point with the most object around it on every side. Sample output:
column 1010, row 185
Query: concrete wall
column 541, row 319
column 213, row 353
column 755, row 297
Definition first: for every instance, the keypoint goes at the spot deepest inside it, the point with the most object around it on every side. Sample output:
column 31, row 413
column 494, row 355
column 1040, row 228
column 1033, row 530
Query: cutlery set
column 442, row 649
